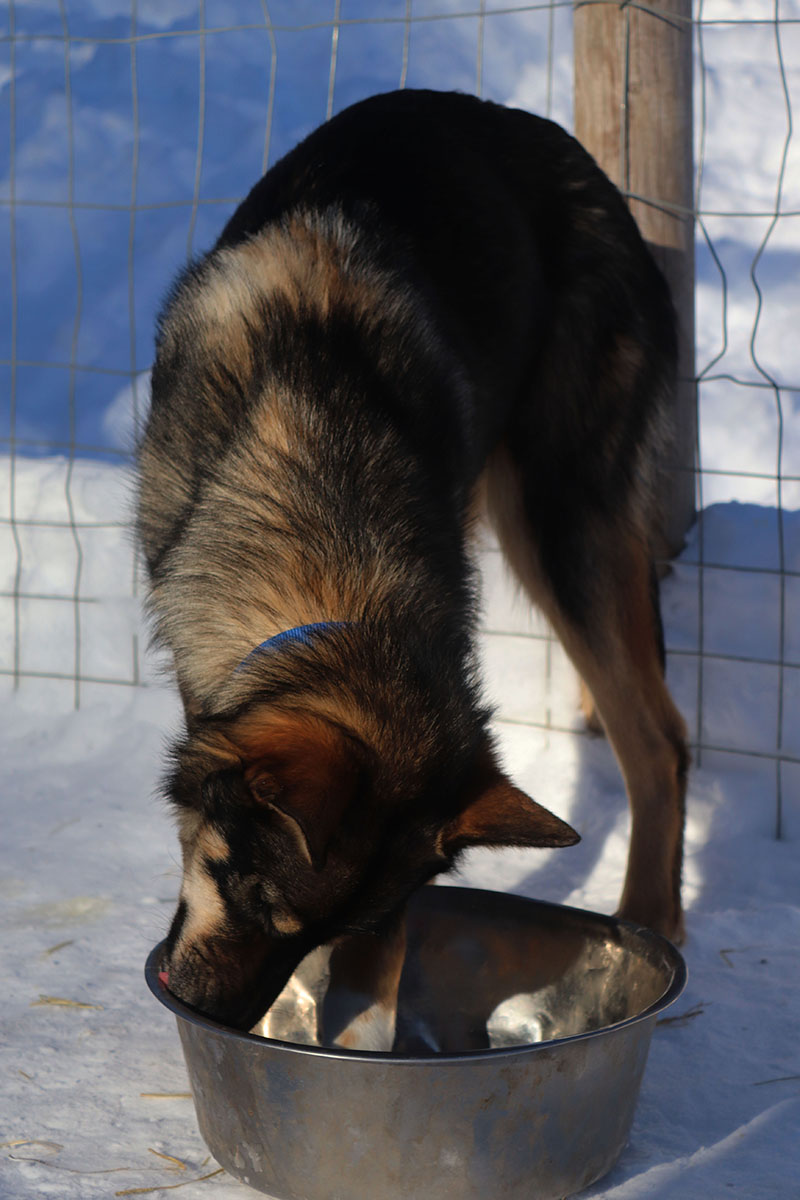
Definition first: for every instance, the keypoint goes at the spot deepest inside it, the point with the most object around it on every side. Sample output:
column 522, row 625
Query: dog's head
column 294, row 834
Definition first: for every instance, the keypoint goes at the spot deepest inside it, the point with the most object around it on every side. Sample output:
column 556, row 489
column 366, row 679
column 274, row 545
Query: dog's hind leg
column 592, row 577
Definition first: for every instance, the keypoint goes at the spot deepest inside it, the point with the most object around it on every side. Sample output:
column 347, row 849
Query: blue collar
column 302, row 635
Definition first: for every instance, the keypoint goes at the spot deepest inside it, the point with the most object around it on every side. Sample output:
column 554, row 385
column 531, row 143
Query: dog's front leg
column 360, row 1008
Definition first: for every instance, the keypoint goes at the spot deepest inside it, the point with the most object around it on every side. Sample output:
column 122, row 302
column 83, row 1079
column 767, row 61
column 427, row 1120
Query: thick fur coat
column 431, row 306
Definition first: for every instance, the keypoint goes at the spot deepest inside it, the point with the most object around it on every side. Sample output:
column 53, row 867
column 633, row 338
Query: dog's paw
column 356, row 1022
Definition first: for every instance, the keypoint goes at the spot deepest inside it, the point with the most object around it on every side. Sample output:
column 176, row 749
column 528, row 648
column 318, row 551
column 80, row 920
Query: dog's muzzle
column 231, row 980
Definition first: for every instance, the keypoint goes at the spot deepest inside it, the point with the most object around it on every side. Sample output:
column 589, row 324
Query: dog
column 431, row 304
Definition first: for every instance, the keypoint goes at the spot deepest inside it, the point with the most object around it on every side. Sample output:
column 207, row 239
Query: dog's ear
column 497, row 813
column 306, row 772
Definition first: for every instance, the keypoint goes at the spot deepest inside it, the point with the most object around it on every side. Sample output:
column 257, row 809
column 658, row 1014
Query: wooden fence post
column 633, row 113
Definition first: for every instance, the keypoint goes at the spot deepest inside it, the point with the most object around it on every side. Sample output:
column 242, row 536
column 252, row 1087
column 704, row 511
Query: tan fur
column 286, row 922
column 273, row 432
column 316, row 258
column 310, row 260
column 211, row 845
column 205, row 911
column 343, row 712
column 208, row 639
column 286, row 733
column 190, row 823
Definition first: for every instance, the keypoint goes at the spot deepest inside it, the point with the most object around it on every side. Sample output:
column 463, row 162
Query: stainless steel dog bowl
column 523, row 1030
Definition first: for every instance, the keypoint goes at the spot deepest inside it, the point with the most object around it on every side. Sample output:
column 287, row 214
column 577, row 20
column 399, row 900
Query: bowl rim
column 672, row 991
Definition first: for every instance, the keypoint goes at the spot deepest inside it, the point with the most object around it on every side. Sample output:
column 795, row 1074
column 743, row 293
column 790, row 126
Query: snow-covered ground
column 94, row 1090
column 93, row 1099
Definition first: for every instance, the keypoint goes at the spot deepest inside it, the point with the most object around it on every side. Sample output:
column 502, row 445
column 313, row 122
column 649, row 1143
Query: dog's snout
column 231, row 980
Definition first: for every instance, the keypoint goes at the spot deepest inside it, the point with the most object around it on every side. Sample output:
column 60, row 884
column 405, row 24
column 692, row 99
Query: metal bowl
column 523, row 1030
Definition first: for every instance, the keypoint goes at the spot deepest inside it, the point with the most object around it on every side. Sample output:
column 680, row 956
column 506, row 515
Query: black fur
column 434, row 279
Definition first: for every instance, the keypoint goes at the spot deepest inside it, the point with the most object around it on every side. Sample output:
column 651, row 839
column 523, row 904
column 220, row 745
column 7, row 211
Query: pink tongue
column 164, row 977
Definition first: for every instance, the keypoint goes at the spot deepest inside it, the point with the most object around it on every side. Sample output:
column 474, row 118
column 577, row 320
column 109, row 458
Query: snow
column 94, row 1097
column 89, row 876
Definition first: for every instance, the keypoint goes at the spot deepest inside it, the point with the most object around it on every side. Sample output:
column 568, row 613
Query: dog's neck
column 303, row 635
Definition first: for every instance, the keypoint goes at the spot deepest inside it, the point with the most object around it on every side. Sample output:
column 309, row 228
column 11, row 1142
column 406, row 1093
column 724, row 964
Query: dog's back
column 422, row 276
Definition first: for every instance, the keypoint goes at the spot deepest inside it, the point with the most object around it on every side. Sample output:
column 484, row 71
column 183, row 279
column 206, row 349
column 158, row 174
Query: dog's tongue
column 164, row 977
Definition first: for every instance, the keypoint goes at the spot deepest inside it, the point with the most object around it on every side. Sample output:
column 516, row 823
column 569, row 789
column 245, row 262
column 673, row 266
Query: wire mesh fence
column 133, row 131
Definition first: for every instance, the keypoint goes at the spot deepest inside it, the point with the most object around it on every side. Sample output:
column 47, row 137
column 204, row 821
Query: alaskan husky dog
column 431, row 300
